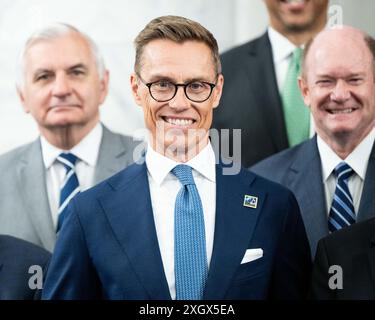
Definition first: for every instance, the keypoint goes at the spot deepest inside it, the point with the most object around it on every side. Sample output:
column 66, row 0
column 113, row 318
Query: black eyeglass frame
column 176, row 85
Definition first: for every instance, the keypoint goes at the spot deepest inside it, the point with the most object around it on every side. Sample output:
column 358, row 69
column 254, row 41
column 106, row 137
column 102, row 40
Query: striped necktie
column 190, row 243
column 296, row 114
column 70, row 186
column 342, row 212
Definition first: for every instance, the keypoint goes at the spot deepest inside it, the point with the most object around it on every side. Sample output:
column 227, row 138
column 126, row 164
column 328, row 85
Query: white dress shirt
column 164, row 187
column 86, row 150
column 357, row 160
column 282, row 52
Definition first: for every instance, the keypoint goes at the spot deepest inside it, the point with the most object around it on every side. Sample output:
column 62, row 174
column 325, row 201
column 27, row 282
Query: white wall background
column 113, row 24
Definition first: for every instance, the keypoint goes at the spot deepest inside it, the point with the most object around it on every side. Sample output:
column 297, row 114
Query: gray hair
column 51, row 32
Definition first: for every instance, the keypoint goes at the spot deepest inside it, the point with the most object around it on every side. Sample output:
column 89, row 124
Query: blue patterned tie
column 69, row 187
column 190, row 244
column 342, row 212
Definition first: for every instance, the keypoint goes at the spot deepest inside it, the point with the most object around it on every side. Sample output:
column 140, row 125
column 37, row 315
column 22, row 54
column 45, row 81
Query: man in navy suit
column 179, row 226
column 338, row 84
column 255, row 79
column 20, row 261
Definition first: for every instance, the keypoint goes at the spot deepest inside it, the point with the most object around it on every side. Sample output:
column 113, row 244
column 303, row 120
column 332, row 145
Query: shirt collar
column 160, row 166
column 357, row 160
column 282, row 48
column 86, row 150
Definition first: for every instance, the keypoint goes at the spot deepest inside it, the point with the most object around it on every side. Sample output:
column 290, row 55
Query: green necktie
column 296, row 114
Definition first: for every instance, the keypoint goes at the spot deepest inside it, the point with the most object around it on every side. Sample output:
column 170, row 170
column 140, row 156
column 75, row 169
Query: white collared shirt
column 87, row 151
column 282, row 52
column 164, row 187
column 357, row 160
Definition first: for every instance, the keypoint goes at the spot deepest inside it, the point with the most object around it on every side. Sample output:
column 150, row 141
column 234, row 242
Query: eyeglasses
column 164, row 90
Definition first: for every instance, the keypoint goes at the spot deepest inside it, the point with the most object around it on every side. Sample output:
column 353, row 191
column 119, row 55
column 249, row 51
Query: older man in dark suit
column 333, row 174
column 261, row 94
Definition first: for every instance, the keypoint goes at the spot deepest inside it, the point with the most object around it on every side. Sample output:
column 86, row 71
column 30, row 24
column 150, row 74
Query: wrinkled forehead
column 63, row 50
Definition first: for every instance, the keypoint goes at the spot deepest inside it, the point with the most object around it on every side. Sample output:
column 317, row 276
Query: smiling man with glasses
column 176, row 226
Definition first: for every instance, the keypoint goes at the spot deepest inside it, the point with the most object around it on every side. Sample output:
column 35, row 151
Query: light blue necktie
column 69, row 187
column 342, row 212
column 191, row 267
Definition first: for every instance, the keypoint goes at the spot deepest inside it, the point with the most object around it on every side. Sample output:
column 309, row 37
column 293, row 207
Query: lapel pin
column 250, row 201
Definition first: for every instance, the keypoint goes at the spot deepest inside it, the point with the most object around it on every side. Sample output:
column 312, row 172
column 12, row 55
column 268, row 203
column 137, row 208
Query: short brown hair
column 177, row 29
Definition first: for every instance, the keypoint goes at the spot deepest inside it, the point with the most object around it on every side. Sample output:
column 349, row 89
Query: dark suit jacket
column 16, row 257
column 108, row 247
column 251, row 101
column 299, row 169
column 353, row 249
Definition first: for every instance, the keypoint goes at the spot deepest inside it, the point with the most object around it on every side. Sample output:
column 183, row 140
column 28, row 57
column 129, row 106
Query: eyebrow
column 76, row 66
column 158, row 77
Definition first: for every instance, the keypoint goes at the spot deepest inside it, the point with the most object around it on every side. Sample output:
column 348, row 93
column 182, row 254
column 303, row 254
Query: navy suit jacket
column 251, row 101
column 299, row 169
column 16, row 257
column 108, row 247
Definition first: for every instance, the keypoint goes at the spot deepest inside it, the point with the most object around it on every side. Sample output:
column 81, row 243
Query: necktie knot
column 184, row 174
column 68, row 160
column 343, row 171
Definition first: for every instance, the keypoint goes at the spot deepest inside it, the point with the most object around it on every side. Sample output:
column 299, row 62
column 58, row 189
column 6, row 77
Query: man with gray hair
column 62, row 81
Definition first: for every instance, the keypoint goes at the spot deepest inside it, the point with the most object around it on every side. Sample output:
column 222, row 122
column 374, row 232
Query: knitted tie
column 190, row 244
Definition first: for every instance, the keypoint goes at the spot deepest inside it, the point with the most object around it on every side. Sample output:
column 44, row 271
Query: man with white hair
column 62, row 82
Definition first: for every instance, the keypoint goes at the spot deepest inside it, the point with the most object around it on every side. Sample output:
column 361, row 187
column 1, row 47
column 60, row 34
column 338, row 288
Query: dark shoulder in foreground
column 11, row 246
column 358, row 236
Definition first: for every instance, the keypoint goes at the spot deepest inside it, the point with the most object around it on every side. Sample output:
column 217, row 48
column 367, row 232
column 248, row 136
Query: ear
column 22, row 99
column 104, row 83
column 134, row 83
column 218, row 90
column 305, row 92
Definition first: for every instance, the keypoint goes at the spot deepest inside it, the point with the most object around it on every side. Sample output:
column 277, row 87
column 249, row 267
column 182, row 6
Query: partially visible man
column 333, row 174
column 21, row 269
column 177, row 227
column 344, row 266
column 261, row 95
column 62, row 83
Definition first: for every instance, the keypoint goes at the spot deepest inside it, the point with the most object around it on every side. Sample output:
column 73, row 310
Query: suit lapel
column 111, row 156
column 262, row 74
column 32, row 185
column 305, row 179
column 367, row 204
column 234, row 226
column 129, row 212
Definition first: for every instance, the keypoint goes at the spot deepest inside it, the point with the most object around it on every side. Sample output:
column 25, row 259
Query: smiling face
column 179, row 123
column 62, row 87
column 339, row 86
column 296, row 15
